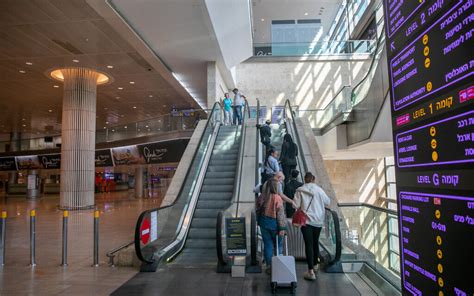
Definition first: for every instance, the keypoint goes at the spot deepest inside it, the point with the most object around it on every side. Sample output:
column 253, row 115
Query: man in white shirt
column 239, row 101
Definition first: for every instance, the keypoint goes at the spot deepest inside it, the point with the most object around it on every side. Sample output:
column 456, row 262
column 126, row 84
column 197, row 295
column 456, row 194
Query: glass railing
column 330, row 237
column 289, row 49
column 372, row 237
column 158, row 227
column 339, row 105
column 150, row 127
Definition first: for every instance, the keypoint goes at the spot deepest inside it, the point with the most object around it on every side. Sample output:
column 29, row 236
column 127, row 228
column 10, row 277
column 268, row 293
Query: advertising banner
column 51, row 161
column 162, row 152
column 103, row 158
column 7, row 164
column 30, row 162
column 127, row 155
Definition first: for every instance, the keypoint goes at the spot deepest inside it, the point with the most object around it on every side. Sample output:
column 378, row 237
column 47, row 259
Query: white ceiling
column 48, row 34
column 264, row 11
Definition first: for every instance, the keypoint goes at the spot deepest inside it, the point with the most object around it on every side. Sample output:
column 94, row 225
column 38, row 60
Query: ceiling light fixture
column 50, row 111
column 119, row 88
column 106, row 122
column 134, row 107
column 22, row 71
column 56, row 86
column 146, row 126
column 23, row 125
column 23, row 119
column 75, row 61
column 110, row 66
column 29, row 63
column 117, row 98
column 263, row 20
column 106, row 108
column 101, row 77
column 305, row 13
column 132, row 82
column 104, row 127
column 125, row 127
column 150, row 96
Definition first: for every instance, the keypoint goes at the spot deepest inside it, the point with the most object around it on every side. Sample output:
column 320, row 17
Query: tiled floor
column 193, row 281
column 119, row 212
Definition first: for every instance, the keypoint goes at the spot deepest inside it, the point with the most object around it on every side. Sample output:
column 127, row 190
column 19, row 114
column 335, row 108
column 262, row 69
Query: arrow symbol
column 392, row 46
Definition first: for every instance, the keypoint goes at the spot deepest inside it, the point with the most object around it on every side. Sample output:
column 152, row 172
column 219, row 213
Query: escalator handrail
column 144, row 213
column 295, row 134
column 302, row 160
column 238, row 175
column 337, row 232
column 258, row 147
column 380, row 41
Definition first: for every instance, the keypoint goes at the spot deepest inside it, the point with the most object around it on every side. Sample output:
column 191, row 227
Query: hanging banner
column 30, row 162
column 162, row 152
column 51, row 161
column 127, row 155
column 7, row 164
column 103, row 158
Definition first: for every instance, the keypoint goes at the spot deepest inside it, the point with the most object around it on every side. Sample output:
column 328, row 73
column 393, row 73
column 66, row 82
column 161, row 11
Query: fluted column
column 78, row 138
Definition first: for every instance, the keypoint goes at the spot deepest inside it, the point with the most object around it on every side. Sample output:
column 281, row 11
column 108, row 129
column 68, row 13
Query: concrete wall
column 216, row 86
column 357, row 180
column 310, row 84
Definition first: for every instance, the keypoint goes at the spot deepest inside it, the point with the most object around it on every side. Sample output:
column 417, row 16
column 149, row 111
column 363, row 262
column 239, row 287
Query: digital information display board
column 430, row 49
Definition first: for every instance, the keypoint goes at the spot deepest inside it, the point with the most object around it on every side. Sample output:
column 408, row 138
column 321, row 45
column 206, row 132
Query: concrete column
column 78, row 138
column 139, row 182
column 33, row 184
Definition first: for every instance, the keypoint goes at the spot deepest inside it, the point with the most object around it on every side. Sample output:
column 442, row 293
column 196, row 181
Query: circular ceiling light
column 56, row 86
column 58, row 75
column 110, row 66
column 29, row 63
column 132, row 82
column 75, row 61
column 50, row 111
column 22, row 71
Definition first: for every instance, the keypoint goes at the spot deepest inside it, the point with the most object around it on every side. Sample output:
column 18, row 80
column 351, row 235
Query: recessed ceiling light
column 22, row 71
column 150, row 96
column 113, row 130
column 23, row 119
column 117, row 98
column 104, row 127
column 164, row 106
column 305, row 13
column 23, row 125
column 50, row 111
column 125, row 127
column 263, row 20
column 119, row 88
column 29, row 63
column 56, row 86
column 134, row 107
column 122, row 115
column 106, row 108
column 106, row 122
column 132, row 82
column 146, row 126
column 110, row 66
column 75, row 61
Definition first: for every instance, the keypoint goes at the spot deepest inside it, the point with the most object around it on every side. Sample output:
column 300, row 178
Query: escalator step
column 213, row 204
column 223, row 162
column 202, row 233
column 217, row 188
column 206, row 213
column 220, row 174
column 222, row 168
column 219, row 181
column 204, row 223
column 201, row 243
column 215, row 196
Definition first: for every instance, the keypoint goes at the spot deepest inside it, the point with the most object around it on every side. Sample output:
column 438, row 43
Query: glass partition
column 371, row 236
column 164, row 223
column 289, row 49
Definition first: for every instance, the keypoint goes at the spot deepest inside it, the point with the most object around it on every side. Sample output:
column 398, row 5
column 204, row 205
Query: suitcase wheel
column 293, row 287
column 274, row 287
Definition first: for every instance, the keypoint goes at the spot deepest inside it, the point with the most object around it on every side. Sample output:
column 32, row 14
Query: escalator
column 183, row 233
column 216, row 194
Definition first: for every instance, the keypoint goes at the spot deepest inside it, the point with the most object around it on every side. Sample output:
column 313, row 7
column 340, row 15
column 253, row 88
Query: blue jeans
column 237, row 114
column 269, row 230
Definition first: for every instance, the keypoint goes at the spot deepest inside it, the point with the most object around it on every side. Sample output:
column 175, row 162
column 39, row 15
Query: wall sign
column 103, row 158
column 162, row 152
column 431, row 61
column 236, row 238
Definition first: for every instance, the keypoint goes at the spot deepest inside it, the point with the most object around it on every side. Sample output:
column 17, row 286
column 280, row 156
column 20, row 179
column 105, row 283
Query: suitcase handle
column 286, row 245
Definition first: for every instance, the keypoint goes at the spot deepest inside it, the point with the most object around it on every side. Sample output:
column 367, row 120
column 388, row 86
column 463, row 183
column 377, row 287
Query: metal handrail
column 243, row 130
column 337, row 231
column 295, row 134
column 144, row 213
column 258, row 147
column 363, row 204
column 111, row 254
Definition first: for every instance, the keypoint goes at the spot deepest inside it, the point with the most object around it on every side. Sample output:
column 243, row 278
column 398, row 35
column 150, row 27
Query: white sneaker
column 309, row 276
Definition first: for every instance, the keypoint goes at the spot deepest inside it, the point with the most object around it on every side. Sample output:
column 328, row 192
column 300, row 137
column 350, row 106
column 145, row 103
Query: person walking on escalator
column 239, row 101
column 265, row 136
column 290, row 190
column 227, row 103
column 272, row 166
column 311, row 199
column 271, row 219
column 289, row 152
